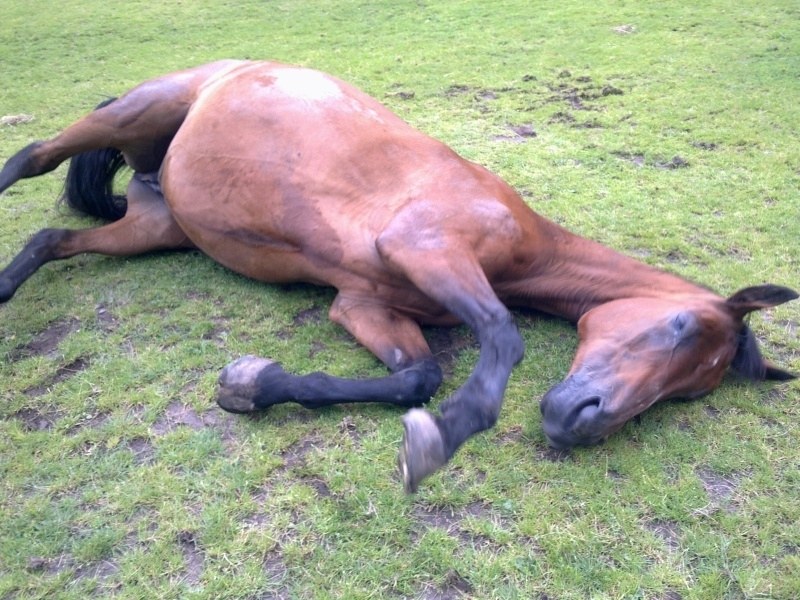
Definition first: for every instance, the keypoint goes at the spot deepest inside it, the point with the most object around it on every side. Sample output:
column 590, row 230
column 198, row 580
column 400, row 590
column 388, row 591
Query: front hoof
column 237, row 384
column 422, row 451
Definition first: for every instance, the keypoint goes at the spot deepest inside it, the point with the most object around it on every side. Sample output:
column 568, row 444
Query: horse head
column 636, row 351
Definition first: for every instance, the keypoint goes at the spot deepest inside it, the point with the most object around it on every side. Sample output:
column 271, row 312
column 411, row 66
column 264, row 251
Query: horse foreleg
column 146, row 226
column 251, row 383
column 453, row 278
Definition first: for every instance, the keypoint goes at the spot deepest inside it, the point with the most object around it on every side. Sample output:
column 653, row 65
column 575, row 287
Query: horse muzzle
column 573, row 414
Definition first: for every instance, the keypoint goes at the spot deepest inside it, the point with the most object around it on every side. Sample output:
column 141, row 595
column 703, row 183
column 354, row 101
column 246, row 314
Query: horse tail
column 89, row 185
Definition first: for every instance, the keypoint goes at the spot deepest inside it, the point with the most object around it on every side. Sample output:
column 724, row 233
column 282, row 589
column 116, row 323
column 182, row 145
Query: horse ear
column 758, row 297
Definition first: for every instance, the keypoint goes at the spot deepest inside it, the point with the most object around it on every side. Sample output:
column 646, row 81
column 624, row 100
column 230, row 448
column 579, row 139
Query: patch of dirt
column 46, row 341
column 36, row 420
column 349, row 429
column 178, row 414
column 624, row 29
column 521, row 133
column 99, row 570
column 636, row 159
column 450, row 521
column 666, row 531
column 107, row 321
column 591, row 124
column 316, row 348
column 676, row 162
column 193, row 558
column 677, row 257
column 552, row 454
column 453, row 587
column 91, row 421
column 457, row 90
column 561, row 117
column 13, row 120
column 295, row 455
column 219, row 332
column 711, row 411
column 142, row 450
column 512, row 435
column 275, row 570
column 62, row 374
column 721, row 490
column 307, row 316
column 318, row 485
column 705, row 145
column 447, row 344
column 402, row 94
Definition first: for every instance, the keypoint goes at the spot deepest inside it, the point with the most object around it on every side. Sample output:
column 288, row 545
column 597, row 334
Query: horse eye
column 684, row 324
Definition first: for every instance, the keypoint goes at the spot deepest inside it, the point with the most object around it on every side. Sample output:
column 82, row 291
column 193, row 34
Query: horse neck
column 568, row 275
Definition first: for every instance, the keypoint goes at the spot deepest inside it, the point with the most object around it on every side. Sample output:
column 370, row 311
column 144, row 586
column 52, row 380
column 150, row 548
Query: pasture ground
column 668, row 131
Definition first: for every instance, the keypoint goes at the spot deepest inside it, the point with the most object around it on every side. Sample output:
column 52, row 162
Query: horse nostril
column 593, row 401
column 585, row 410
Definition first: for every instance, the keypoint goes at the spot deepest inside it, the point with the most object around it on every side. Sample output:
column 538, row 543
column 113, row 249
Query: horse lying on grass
column 286, row 174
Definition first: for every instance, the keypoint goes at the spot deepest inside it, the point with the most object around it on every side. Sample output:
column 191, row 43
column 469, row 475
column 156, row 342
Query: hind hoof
column 422, row 452
column 237, row 384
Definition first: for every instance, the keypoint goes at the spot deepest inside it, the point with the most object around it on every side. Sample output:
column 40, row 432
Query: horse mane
column 89, row 184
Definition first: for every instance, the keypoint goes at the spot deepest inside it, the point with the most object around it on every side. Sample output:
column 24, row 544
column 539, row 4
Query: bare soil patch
column 62, row 374
column 107, row 321
column 447, row 344
column 721, row 490
column 666, row 531
column 450, row 520
column 46, row 341
column 142, row 450
column 37, row 420
column 193, row 558
column 453, row 587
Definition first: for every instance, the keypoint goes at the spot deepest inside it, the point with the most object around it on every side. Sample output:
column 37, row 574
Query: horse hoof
column 237, row 384
column 422, row 451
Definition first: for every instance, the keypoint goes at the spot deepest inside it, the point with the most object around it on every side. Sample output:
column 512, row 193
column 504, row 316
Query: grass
column 667, row 132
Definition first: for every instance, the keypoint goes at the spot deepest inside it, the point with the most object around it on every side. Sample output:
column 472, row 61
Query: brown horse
column 287, row 174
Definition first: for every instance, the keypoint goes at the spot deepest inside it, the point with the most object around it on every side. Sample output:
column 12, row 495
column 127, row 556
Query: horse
column 286, row 174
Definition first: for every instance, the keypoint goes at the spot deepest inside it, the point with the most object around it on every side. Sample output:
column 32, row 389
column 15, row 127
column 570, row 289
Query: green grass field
column 668, row 131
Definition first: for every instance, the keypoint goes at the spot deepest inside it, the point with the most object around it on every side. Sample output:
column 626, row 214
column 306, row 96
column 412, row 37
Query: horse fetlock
column 422, row 452
column 423, row 379
column 239, row 386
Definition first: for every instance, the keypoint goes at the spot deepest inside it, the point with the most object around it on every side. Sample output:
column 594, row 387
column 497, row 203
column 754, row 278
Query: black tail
column 89, row 187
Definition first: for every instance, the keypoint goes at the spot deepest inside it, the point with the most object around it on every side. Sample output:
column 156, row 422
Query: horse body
column 287, row 174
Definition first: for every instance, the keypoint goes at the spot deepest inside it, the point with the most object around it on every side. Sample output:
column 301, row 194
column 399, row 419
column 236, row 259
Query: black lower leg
column 39, row 250
column 430, row 441
column 24, row 164
column 251, row 383
column 476, row 406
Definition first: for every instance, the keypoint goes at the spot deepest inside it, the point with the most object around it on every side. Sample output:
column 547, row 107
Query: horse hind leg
column 140, row 124
column 147, row 225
